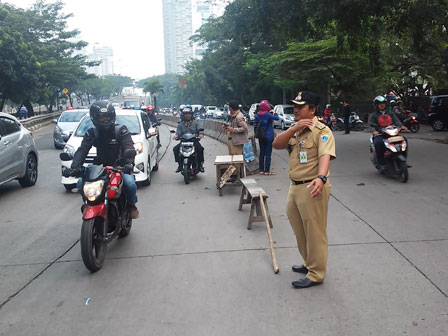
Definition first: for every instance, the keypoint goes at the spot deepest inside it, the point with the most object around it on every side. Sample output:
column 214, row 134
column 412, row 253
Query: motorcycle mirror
column 172, row 131
column 65, row 156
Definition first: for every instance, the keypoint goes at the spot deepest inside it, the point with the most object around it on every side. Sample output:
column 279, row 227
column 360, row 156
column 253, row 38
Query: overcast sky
column 133, row 28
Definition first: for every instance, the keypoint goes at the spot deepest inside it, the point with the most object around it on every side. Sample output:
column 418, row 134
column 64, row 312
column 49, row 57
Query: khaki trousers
column 308, row 219
column 235, row 149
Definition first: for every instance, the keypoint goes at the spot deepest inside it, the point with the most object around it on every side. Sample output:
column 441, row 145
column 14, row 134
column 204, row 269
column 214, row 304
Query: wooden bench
column 250, row 194
column 225, row 173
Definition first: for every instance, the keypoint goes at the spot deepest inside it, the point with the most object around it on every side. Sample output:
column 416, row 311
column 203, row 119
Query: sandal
column 270, row 173
column 261, row 173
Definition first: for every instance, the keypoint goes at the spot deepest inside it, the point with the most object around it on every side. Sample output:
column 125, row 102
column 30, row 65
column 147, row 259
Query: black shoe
column 304, row 283
column 300, row 269
column 179, row 169
column 201, row 167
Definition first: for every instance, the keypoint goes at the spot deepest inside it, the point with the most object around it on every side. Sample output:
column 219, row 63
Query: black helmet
column 102, row 114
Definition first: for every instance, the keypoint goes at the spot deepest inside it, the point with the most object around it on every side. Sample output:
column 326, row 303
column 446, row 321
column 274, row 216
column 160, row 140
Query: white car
column 218, row 113
column 18, row 152
column 209, row 110
column 285, row 114
column 65, row 125
column 143, row 133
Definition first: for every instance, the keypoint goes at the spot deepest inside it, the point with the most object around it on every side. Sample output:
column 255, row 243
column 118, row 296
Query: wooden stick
column 271, row 243
column 226, row 176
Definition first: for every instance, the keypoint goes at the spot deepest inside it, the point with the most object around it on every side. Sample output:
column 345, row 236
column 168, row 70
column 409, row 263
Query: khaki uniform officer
column 311, row 146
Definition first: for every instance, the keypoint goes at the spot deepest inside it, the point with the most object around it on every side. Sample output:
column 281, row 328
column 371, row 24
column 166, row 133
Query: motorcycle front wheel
column 404, row 172
column 414, row 128
column 93, row 246
column 186, row 174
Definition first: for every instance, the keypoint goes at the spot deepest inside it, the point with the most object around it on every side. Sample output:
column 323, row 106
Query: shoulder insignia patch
column 320, row 126
column 324, row 138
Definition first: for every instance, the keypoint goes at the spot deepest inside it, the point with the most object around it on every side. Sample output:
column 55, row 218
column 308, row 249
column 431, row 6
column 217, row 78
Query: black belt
column 301, row 182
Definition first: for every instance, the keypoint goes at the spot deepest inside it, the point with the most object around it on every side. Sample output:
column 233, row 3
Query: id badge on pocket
column 303, row 157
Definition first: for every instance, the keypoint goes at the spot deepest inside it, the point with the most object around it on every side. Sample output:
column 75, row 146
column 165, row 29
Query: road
column 190, row 267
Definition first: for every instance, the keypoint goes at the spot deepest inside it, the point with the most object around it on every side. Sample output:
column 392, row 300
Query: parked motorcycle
column 105, row 211
column 188, row 156
column 395, row 154
column 411, row 122
column 355, row 123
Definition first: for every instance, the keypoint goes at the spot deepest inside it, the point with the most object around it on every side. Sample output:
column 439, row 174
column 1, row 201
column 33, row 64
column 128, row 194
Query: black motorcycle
column 395, row 155
column 188, row 155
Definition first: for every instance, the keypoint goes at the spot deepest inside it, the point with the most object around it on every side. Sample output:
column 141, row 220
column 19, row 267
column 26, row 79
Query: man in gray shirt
column 189, row 125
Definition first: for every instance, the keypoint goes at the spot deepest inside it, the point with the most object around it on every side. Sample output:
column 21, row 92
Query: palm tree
column 154, row 87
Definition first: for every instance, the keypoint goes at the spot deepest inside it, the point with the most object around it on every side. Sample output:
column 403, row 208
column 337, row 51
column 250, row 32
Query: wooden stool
column 250, row 194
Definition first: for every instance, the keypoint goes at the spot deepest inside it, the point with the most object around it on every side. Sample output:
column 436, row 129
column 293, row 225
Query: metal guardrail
column 40, row 120
column 212, row 128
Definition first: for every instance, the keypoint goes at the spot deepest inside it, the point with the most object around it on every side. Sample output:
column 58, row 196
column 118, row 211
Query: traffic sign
column 64, row 90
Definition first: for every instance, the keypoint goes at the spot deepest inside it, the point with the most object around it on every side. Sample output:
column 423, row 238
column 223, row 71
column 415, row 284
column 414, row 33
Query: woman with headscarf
column 264, row 119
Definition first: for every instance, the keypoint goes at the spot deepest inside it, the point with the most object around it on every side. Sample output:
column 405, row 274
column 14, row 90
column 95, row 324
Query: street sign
column 64, row 90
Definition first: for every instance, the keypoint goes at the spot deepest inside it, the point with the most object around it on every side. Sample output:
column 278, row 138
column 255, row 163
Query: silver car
column 65, row 126
column 18, row 152
column 285, row 114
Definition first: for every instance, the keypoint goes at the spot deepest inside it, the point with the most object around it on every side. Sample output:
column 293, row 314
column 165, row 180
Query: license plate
column 396, row 139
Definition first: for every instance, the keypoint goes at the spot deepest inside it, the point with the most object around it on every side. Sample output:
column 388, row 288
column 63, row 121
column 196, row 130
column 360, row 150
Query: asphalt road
column 190, row 267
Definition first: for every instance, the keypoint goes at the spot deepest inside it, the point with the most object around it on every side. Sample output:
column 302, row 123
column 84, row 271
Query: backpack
column 260, row 132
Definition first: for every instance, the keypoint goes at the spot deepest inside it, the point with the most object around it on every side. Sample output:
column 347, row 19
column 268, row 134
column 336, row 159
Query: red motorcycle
column 105, row 211
column 411, row 122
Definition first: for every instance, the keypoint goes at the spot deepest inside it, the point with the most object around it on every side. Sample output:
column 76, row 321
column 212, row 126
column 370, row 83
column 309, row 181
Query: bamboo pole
column 271, row 243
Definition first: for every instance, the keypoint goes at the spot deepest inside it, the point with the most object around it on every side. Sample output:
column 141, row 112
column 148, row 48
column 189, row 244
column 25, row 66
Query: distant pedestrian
column 264, row 119
column 237, row 131
column 346, row 116
column 311, row 147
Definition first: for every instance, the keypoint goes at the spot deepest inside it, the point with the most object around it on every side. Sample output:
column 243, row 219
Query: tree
column 154, row 87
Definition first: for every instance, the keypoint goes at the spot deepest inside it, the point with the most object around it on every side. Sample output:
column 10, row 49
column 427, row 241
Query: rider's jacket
column 379, row 120
column 109, row 145
column 184, row 127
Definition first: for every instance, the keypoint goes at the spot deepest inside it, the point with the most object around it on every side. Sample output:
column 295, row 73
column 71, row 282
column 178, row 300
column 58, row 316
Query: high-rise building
column 178, row 28
column 202, row 10
column 106, row 56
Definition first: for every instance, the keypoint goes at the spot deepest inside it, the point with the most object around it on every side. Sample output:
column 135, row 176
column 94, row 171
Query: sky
column 133, row 28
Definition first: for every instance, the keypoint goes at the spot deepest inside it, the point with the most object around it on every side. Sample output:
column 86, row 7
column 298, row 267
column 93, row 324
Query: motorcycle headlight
column 93, row 189
column 138, row 147
column 69, row 149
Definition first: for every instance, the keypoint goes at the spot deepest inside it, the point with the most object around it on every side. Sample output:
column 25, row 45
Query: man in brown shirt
column 237, row 131
column 311, row 146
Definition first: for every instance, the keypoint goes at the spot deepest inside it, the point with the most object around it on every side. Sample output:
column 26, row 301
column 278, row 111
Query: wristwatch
column 323, row 178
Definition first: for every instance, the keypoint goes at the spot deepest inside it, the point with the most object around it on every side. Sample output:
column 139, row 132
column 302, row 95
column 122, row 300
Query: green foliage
column 37, row 56
column 352, row 48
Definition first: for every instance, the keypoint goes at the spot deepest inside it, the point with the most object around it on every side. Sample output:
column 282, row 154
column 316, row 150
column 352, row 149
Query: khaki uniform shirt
column 306, row 147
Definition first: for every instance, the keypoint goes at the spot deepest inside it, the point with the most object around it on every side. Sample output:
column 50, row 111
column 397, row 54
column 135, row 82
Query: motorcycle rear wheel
column 186, row 175
column 359, row 126
column 93, row 246
column 127, row 227
column 404, row 174
column 414, row 128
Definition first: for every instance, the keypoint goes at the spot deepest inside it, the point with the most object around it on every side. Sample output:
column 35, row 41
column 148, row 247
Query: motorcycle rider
column 378, row 120
column 110, row 141
column 188, row 125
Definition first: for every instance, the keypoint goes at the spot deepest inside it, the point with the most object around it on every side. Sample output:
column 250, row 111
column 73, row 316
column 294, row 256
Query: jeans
column 380, row 149
column 129, row 187
column 265, row 155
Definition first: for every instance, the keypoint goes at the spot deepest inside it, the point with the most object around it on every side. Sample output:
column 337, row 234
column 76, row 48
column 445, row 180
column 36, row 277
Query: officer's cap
column 306, row 97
